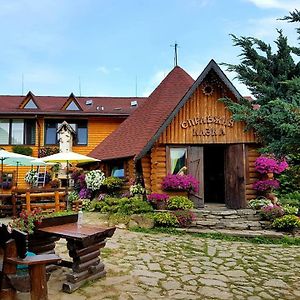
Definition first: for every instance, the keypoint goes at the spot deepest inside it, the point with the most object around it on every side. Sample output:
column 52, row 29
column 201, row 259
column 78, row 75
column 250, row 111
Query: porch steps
column 220, row 217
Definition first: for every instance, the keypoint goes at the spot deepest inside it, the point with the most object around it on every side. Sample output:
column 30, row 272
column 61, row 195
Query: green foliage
column 290, row 179
column 290, row 210
column 125, row 206
column 86, row 205
column 286, row 223
column 292, row 199
column 25, row 150
column 113, row 183
column 274, row 80
column 165, row 219
column 59, row 213
column 258, row 203
column 179, row 202
column 73, row 196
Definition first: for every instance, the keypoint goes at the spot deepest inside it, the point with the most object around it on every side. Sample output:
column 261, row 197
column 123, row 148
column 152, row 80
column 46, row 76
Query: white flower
column 94, row 179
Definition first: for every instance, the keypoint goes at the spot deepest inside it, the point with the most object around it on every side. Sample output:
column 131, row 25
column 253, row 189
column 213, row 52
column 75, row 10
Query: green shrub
column 286, row 223
column 73, row 196
column 258, row 203
column 125, row 206
column 292, row 199
column 134, row 205
column 113, row 183
column 290, row 210
column 179, row 202
column 25, row 150
column 184, row 217
column 165, row 219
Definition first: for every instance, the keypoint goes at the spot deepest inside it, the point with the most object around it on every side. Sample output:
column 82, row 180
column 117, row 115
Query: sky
column 124, row 47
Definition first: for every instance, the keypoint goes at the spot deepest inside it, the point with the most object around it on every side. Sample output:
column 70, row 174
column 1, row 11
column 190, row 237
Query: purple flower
column 85, row 193
column 263, row 185
column 180, row 182
column 269, row 164
column 154, row 197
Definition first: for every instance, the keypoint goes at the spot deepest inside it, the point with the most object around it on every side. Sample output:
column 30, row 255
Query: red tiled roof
column 130, row 138
column 53, row 104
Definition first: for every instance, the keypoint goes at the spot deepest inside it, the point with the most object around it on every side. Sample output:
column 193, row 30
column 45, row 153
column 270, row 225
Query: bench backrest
column 21, row 239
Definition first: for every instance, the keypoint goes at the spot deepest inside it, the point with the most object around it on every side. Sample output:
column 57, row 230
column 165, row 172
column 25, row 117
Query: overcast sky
column 120, row 47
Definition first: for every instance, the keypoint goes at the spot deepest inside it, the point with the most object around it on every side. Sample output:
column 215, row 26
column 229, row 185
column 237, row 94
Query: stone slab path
column 143, row 266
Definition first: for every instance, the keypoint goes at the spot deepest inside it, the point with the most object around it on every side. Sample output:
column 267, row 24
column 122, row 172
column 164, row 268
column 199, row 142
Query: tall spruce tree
column 274, row 80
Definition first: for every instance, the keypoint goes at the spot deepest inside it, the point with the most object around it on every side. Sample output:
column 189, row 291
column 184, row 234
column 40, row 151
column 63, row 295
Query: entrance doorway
column 214, row 179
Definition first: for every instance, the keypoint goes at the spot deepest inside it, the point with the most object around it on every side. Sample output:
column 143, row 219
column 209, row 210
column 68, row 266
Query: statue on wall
column 65, row 137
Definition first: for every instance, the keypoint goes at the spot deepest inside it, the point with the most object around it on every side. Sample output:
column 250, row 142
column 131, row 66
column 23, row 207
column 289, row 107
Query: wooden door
column 235, row 174
column 195, row 168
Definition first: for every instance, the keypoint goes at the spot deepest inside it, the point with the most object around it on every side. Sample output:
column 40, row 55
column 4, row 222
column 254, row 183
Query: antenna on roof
column 79, row 83
column 175, row 46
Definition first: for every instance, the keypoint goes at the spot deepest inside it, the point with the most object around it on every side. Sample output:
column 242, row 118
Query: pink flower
column 180, row 182
column 256, row 106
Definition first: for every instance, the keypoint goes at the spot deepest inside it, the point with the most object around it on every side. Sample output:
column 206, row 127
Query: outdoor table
column 84, row 243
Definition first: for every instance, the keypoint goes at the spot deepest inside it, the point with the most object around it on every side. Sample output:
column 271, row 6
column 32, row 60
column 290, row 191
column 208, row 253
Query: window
column 17, row 132
column 72, row 106
column 30, row 105
column 80, row 127
column 117, row 169
column 177, row 160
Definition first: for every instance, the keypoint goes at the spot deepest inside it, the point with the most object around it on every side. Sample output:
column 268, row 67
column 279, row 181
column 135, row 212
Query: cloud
column 280, row 4
column 103, row 69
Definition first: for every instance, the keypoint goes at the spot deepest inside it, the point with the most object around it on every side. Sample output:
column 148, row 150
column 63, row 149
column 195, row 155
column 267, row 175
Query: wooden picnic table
column 84, row 243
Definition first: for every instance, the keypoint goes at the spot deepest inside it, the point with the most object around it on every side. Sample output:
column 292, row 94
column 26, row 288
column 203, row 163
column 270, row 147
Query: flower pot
column 178, row 193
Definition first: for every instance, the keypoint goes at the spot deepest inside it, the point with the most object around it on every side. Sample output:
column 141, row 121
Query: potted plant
column 158, row 200
column 180, row 183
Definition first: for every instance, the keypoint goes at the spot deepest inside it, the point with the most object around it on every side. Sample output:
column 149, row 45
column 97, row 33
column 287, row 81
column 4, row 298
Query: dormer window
column 72, row 106
column 30, row 105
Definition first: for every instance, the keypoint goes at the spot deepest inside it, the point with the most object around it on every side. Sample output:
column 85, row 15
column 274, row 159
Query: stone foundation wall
column 242, row 219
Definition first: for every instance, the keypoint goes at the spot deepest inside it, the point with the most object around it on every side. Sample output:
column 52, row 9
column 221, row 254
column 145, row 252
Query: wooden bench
column 14, row 249
column 46, row 199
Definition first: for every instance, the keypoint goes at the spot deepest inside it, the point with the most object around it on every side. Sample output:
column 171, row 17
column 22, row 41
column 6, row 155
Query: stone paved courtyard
column 142, row 266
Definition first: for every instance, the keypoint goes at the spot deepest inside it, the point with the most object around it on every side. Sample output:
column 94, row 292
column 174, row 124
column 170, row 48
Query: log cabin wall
column 146, row 167
column 98, row 130
column 158, row 167
column 251, row 175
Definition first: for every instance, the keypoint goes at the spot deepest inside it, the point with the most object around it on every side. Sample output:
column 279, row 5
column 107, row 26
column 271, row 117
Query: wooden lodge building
column 181, row 125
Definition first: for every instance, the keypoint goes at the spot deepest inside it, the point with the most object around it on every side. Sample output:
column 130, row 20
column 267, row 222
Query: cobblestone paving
column 142, row 266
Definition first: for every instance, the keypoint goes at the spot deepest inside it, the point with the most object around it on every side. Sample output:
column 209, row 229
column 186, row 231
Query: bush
column 292, row 199
column 179, row 202
column 287, row 223
column 113, row 183
column 125, row 206
column 290, row 210
column 73, row 196
column 46, row 151
column 271, row 212
column 25, row 150
column 184, row 217
column 165, row 219
column 259, row 203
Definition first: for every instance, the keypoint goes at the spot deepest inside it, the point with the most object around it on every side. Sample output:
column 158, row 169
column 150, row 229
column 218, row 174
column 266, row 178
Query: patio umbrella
column 23, row 160
column 68, row 157
column 11, row 158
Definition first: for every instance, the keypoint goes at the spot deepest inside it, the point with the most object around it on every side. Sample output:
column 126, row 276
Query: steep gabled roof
column 134, row 134
column 212, row 65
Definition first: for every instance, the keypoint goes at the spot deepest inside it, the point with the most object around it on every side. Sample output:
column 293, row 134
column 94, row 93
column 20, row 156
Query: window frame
column 168, row 162
column 77, row 124
column 25, row 123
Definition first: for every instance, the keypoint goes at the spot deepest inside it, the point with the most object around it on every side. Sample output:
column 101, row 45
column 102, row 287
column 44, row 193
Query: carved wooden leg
column 86, row 263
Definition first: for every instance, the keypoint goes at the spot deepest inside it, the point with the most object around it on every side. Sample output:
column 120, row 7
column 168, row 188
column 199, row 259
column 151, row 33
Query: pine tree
column 274, row 80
